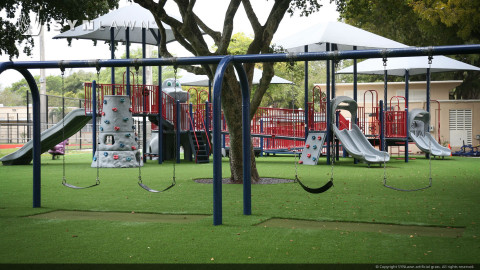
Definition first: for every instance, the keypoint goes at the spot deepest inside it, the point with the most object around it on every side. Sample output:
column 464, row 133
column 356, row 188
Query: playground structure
column 223, row 62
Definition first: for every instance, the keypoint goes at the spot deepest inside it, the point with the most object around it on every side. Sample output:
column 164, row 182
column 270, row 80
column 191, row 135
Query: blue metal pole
column 112, row 56
column 145, row 98
column 385, row 94
column 207, row 117
column 209, row 91
column 217, row 156
column 250, row 58
column 306, row 96
column 94, row 117
column 247, row 182
column 382, row 125
column 407, row 97
column 355, row 90
column 160, row 105
column 328, row 120
column 179, row 129
column 217, row 151
column 127, row 39
column 37, row 202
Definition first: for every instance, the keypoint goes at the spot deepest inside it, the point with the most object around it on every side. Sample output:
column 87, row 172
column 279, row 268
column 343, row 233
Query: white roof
column 133, row 16
column 344, row 35
column 190, row 79
column 415, row 65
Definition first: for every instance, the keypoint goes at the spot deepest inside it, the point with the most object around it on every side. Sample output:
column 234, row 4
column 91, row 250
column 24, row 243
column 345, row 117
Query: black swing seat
column 141, row 184
column 321, row 189
column 64, row 182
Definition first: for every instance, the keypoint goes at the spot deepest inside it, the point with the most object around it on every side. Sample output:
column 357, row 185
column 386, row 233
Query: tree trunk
column 231, row 95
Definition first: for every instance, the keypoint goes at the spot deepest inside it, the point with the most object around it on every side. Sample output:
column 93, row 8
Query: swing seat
column 141, row 184
column 64, row 182
column 321, row 189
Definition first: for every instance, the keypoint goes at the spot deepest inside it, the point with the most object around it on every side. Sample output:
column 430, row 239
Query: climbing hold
column 307, row 146
column 130, row 109
column 94, row 158
column 101, row 128
column 122, row 145
column 319, row 138
column 133, row 147
column 133, row 127
column 114, row 109
column 300, row 162
column 136, row 139
column 105, row 154
column 107, row 121
column 128, row 135
column 103, row 113
column 125, row 119
column 313, row 137
column 129, row 159
column 122, row 100
column 116, row 128
column 309, row 155
column 115, row 157
column 314, row 159
column 104, row 101
column 314, row 147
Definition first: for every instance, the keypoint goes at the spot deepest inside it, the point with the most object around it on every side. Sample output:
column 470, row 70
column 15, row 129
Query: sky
column 207, row 10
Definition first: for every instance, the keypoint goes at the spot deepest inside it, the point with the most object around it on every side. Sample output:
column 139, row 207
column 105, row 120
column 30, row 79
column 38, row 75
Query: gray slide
column 419, row 122
column 353, row 139
column 73, row 121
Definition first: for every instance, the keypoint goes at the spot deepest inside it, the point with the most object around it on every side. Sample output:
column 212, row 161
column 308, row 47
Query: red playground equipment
column 274, row 130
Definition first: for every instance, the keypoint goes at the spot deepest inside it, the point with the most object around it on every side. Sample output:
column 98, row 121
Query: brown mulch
column 262, row 181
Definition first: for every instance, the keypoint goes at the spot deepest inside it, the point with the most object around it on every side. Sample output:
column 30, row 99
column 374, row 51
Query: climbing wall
column 313, row 148
column 117, row 140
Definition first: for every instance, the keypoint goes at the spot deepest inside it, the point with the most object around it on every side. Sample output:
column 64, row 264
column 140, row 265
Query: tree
column 188, row 33
column 13, row 27
column 423, row 23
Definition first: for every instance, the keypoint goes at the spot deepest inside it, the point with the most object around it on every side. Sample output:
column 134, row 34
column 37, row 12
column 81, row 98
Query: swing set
column 222, row 63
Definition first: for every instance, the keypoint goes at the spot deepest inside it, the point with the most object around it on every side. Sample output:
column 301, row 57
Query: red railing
column 368, row 118
column 272, row 122
column 396, row 119
column 395, row 124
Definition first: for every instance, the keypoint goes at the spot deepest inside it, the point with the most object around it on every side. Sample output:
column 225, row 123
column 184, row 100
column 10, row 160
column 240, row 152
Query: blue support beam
column 407, row 98
column 305, row 104
column 112, row 56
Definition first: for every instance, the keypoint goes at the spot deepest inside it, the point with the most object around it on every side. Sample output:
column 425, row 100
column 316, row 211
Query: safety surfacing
column 119, row 216
column 411, row 230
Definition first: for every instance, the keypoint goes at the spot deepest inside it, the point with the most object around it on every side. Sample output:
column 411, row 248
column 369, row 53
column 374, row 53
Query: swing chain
column 332, row 154
column 175, row 69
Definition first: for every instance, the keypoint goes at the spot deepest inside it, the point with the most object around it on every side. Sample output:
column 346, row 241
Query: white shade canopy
column 344, row 35
column 190, row 79
column 415, row 65
column 133, row 16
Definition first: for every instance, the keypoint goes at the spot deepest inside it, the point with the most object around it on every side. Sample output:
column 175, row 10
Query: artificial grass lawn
column 357, row 196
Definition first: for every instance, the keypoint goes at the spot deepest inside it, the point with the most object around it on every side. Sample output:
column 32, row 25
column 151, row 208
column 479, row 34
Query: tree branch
column 251, row 15
column 228, row 27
